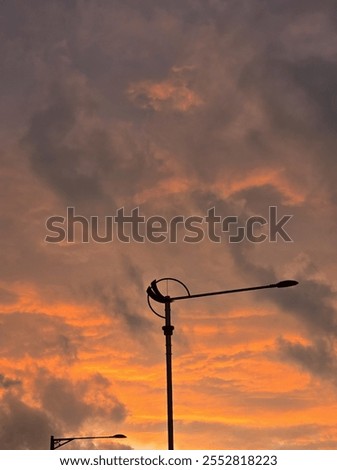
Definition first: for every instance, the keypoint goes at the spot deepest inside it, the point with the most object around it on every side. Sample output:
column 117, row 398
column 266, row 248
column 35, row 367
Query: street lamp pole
column 168, row 332
column 56, row 442
column 154, row 293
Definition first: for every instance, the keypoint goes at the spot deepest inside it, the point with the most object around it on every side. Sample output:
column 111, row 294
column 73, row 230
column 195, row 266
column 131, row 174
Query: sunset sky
column 173, row 107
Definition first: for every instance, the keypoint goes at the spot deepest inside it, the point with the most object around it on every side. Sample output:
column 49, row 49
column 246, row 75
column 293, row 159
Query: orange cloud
column 173, row 93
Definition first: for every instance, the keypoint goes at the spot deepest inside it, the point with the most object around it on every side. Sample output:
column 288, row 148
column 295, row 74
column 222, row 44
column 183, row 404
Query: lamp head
column 287, row 283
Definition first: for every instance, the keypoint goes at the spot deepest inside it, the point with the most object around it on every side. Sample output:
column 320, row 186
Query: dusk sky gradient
column 174, row 107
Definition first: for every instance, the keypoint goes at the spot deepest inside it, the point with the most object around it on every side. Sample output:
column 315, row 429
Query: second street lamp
column 154, row 293
column 56, row 442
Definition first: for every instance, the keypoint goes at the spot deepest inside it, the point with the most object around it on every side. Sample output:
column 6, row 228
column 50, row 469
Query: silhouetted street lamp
column 154, row 293
column 56, row 442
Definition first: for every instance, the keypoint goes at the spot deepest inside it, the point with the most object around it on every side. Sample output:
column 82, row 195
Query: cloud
column 319, row 358
column 313, row 303
column 33, row 335
column 58, row 406
column 30, row 427
column 67, row 149
column 7, row 297
column 172, row 94
column 74, row 402
column 299, row 436
column 6, row 382
column 23, row 426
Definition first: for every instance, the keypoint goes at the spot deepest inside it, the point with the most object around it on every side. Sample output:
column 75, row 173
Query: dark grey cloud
column 68, row 403
column 6, row 382
column 84, row 159
column 318, row 358
column 121, row 302
column 312, row 302
column 316, row 78
column 27, row 427
column 23, row 426
column 73, row 169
